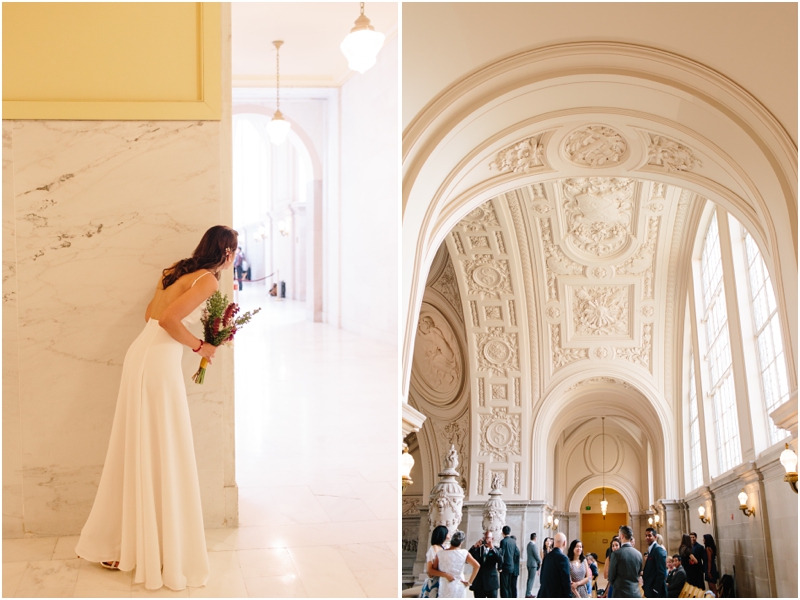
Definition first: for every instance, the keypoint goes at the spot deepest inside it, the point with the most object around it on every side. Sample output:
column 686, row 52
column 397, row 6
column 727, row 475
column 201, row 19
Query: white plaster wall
column 96, row 210
column 370, row 204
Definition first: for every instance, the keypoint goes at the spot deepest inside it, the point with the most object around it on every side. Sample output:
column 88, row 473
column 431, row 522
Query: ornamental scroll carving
column 500, row 434
column 487, row 277
column 411, row 505
column 564, row 356
column 522, row 156
column 601, row 310
column 641, row 355
column 497, row 351
column 599, row 214
column 595, row 146
column 447, row 286
column 672, row 155
column 482, row 217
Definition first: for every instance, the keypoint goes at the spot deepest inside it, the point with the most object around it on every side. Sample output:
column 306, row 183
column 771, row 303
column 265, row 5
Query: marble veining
column 96, row 210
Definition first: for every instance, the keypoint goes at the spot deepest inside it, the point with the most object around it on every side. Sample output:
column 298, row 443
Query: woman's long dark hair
column 708, row 540
column 686, row 546
column 571, row 551
column 217, row 244
column 439, row 535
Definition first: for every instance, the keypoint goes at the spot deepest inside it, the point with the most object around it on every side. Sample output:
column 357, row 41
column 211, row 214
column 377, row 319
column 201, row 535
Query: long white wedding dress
column 147, row 511
column 452, row 561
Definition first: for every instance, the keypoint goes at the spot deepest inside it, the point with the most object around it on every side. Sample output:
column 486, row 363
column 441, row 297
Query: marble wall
column 92, row 211
column 370, row 203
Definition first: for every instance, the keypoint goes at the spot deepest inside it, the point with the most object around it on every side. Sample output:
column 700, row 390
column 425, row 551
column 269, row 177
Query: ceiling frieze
column 595, row 146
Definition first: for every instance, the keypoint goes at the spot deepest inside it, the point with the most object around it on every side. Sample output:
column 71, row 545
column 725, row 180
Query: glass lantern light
column 362, row 44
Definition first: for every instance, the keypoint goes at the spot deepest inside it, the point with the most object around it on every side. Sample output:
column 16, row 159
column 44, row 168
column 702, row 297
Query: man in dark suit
column 694, row 573
column 554, row 579
column 509, row 569
column 655, row 567
column 624, row 565
column 534, row 561
column 676, row 578
column 487, row 582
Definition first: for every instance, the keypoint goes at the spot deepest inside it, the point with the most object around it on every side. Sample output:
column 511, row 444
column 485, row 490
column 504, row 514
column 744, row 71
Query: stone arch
column 613, row 482
column 750, row 161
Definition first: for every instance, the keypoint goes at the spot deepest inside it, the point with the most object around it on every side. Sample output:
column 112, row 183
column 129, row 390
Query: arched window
column 767, row 328
column 718, row 352
column 696, row 465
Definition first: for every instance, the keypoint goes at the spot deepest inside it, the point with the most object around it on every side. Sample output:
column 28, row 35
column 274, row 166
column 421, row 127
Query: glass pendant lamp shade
column 278, row 128
column 362, row 44
column 789, row 460
column 604, row 506
column 742, row 498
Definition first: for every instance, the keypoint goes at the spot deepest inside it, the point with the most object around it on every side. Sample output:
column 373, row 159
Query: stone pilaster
column 674, row 524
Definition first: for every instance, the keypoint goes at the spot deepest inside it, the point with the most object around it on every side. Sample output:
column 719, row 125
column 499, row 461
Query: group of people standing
column 494, row 567
column 567, row 572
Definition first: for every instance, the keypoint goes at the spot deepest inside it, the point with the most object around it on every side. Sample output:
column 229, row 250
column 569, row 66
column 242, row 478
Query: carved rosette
column 595, row 146
column 500, row 434
column 487, row 277
column 494, row 511
column 599, row 215
column 672, row 155
column 601, row 310
column 519, row 157
column 497, row 351
column 447, row 496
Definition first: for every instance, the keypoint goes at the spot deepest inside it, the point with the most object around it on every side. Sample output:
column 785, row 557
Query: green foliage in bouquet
column 219, row 319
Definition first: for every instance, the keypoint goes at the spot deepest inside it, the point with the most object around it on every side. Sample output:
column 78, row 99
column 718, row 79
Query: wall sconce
column 789, row 462
column 655, row 520
column 743, row 505
column 701, row 510
column 406, row 464
column 261, row 234
column 283, row 228
column 551, row 523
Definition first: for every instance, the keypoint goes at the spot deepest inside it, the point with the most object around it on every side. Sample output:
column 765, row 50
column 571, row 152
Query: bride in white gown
column 147, row 512
column 449, row 567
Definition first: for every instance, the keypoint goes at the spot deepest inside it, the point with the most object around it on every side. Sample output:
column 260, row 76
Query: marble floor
column 316, row 456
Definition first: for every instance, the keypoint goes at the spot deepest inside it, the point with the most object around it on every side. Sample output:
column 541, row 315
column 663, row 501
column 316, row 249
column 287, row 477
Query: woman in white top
column 449, row 566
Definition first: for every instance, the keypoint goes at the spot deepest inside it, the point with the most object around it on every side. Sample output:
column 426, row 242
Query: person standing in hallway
column 237, row 266
column 486, row 584
column 534, row 562
column 612, row 548
column 554, row 579
column 676, row 578
column 147, row 513
column 579, row 571
column 691, row 559
column 711, row 562
column 654, row 577
column 509, row 569
column 623, row 570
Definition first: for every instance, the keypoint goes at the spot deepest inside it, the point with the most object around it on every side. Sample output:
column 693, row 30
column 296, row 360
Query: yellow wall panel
column 127, row 61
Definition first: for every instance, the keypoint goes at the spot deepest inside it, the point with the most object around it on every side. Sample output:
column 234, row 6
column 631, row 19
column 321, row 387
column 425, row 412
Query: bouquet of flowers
column 220, row 324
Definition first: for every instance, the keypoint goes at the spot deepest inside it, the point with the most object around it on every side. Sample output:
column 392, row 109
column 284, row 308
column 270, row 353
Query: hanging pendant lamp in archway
column 604, row 502
column 362, row 44
column 278, row 127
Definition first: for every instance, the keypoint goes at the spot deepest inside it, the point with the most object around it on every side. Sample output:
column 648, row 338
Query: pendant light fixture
column 362, row 44
column 278, row 127
column 604, row 502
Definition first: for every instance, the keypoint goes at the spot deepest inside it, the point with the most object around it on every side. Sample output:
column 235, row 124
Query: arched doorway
column 598, row 529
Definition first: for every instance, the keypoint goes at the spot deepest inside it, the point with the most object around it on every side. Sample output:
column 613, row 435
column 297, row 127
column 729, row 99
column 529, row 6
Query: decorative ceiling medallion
column 614, row 453
column 595, row 146
column 487, row 277
column 601, row 310
column 480, row 218
column 497, row 351
column 500, row 434
column 672, row 155
column 599, row 212
column 438, row 367
column 519, row 157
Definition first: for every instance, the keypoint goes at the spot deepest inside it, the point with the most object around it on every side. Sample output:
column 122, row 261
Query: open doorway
column 596, row 529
